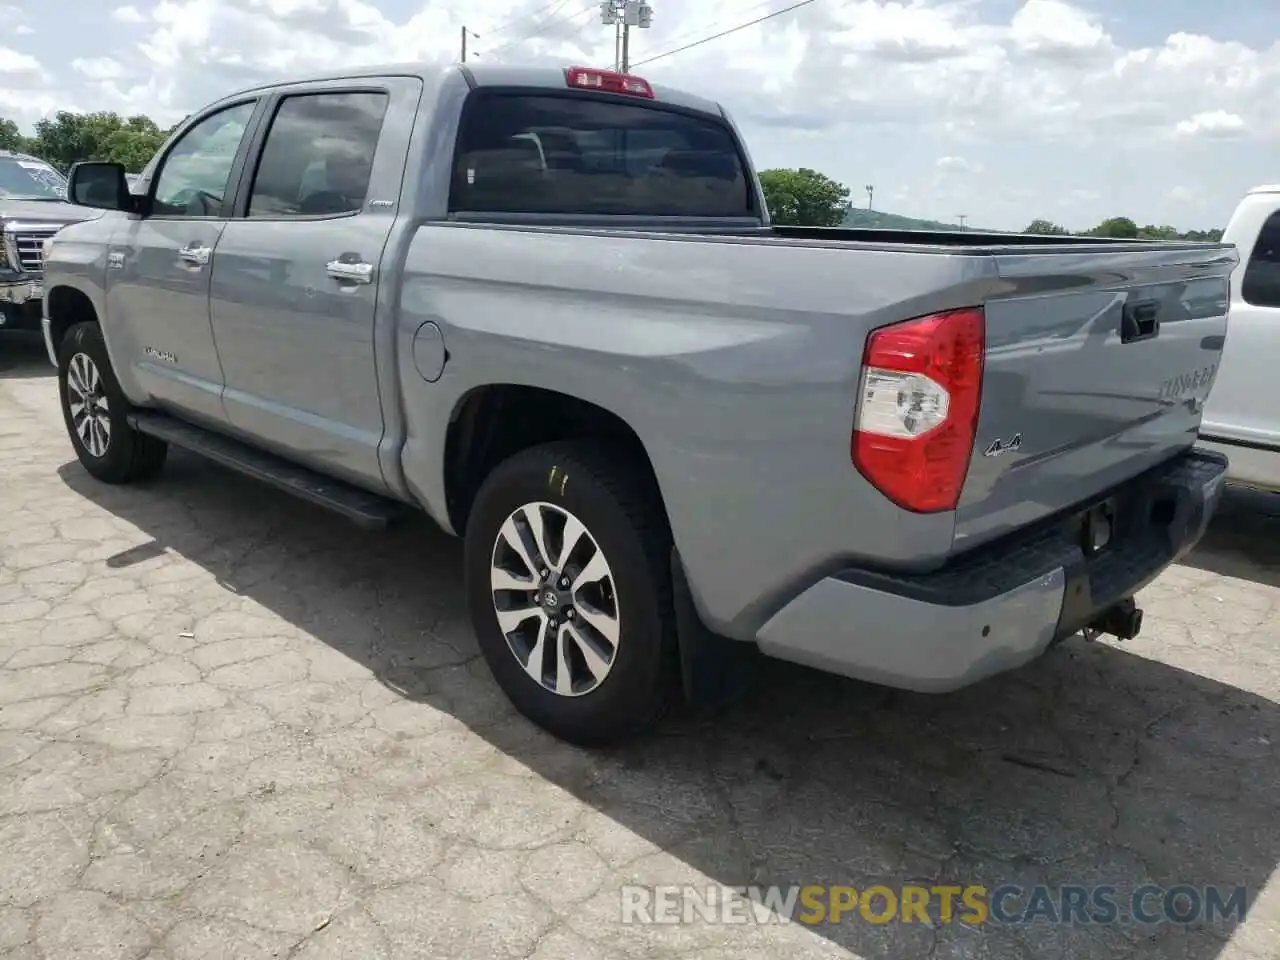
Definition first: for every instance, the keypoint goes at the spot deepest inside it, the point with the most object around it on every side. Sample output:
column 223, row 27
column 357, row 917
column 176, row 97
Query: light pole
column 622, row 15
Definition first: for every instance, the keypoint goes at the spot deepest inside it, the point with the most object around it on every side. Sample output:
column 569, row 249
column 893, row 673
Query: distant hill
column 878, row 220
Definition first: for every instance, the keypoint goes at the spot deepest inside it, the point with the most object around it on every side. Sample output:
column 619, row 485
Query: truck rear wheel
column 568, row 579
column 96, row 412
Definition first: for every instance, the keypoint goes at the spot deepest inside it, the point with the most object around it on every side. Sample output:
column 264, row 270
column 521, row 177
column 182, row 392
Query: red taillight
column 918, row 408
column 589, row 78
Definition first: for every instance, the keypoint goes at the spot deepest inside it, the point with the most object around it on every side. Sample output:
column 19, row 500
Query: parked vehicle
column 33, row 206
column 1241, row 416
column 547, row 307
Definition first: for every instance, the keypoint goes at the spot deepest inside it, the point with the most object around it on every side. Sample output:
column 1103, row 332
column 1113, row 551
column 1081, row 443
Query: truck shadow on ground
column 1244, row 541
column 22, row 356
column 1093, row 766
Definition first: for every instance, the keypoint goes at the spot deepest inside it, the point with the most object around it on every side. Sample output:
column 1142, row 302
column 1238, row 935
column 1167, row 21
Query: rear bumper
column 1002, row 604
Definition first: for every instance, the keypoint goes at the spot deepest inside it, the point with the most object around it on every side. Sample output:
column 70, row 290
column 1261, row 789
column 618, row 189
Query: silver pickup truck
column 547, row 307
column 33, row 207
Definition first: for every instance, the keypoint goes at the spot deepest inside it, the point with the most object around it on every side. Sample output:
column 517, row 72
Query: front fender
column 75, row 271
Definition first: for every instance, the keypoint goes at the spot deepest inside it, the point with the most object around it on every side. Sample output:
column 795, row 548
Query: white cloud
column 1051, row 28
column 1047, row 109
column 1187, row 197
column 905, row 32
column 14, row 63
column 98, row 68
column 1211, row 123
column 14, row 20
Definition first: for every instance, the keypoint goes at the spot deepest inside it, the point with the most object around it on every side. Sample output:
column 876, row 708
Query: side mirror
column 100, row 185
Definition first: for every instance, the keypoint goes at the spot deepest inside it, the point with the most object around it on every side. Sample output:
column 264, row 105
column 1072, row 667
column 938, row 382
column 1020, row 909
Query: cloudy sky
column 1002, row 110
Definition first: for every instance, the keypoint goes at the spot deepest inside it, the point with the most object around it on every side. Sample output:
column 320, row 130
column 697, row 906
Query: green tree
column 70, row 137
column 135, row 143
column 1045, row 227
column 11, row 137
column 804, row 198
column 1202, row 236
column 1122, row 228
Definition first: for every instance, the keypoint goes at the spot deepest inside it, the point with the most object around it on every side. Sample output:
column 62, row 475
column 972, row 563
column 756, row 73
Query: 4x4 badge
column 999, row 446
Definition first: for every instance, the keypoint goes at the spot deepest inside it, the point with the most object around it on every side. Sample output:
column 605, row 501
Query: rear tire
column 96, row 411
column 588, row 651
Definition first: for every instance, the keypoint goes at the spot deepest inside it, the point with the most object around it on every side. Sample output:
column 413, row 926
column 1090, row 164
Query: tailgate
column 1098, row 363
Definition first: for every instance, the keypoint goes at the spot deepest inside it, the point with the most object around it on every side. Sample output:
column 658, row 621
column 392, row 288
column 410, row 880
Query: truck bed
column 985, row 242
column 954, row 241
column 790, row 308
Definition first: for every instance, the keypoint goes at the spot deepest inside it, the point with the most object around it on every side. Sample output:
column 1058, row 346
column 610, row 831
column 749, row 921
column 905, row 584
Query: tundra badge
column 164, row 355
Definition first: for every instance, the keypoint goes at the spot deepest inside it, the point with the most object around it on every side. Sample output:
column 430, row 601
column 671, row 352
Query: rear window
column 524, row 153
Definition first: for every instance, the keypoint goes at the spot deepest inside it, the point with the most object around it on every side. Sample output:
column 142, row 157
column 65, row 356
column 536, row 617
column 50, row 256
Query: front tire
column 95, row 411
column 568, row 581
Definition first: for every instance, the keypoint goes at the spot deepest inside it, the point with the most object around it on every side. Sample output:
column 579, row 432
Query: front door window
column 194, row 178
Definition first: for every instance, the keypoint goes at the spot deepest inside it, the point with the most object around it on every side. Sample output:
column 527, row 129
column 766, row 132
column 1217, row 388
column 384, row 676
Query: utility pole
column 963, row 217
column 871, row 192
column 474, row 36
column 622, row 15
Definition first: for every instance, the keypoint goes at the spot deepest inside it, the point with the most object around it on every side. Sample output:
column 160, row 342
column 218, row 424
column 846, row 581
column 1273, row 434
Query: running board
column 366, row 509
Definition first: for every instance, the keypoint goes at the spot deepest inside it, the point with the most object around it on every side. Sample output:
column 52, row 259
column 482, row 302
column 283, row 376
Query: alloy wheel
column 555, row 599
column 87, row 401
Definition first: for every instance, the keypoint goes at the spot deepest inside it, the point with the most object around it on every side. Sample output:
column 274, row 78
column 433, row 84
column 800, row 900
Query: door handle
column 1140, row 321
column 194, row 253
column 350, row 272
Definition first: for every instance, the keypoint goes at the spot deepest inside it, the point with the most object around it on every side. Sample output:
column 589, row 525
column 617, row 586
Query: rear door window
column 318, row 156
column 1261, row 286
column 571, row 154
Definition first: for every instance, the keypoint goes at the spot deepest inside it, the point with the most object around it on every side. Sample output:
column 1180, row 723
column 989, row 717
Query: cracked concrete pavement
column 232, row 726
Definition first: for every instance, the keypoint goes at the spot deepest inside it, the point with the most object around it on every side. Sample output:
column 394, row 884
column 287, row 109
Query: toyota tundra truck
column 33, row 207
column 547, row 307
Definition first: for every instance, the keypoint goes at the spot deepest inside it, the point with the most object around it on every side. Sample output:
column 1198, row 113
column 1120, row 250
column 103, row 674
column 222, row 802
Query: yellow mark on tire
column 551, row 479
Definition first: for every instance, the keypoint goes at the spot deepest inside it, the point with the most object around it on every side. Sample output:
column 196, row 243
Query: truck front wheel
column 96, row 412
column 568, row 585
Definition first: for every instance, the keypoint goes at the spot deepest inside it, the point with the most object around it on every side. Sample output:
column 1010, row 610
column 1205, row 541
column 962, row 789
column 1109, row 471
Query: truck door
column 295, row 281
column 158, row 266
column 1241, row 412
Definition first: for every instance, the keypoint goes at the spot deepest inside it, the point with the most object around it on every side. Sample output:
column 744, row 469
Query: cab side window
column 193, row 179
column 318, row 156
column 1261, row 285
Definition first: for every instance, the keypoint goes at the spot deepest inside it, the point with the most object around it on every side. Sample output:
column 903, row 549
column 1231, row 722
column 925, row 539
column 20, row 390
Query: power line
column 552, row 10
column 566, row 21
column 686, row 34
column 725, row 33
column 526, row 16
